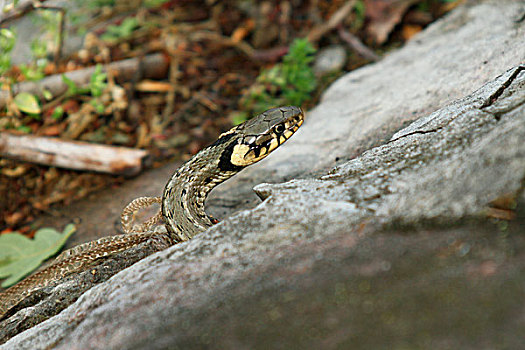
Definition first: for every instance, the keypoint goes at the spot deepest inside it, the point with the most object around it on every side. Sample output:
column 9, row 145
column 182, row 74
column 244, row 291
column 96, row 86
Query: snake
column 182, row 202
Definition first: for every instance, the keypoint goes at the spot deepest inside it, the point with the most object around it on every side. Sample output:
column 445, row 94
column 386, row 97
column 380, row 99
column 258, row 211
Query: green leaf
column 124, row 30
column 99, row 106
column 58, row 112
column 20, row 255
column 24, row 128
column 47, row 94
column 97, row 81
column 71, row 85
column 27, row 103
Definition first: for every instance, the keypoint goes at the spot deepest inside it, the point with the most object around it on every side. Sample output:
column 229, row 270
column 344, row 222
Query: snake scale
column 182, row 202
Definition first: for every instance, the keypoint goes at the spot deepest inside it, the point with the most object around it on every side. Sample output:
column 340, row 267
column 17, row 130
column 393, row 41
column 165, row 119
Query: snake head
column 260, row 135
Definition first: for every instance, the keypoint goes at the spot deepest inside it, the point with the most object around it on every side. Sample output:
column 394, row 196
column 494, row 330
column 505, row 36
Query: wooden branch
column 73, row 154
column 319, row 31
column 60, row 39
column 357, row 45
column 153, row 67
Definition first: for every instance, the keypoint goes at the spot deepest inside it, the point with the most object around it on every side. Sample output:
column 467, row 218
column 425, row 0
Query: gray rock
column 394, row 247
column 32, row 27
column 330, row 59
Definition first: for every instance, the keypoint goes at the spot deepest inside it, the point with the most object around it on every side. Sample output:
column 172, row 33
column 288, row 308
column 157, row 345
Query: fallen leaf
column 409, row 30
column 52, row 130
column 27, row 103
column 383, row 16
column 19, row 255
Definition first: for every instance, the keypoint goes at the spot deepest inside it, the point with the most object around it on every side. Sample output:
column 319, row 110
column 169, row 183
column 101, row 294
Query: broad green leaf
column 27, row 103
column 20, row 255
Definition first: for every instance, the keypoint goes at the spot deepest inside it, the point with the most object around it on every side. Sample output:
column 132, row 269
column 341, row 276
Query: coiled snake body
column 183, row 199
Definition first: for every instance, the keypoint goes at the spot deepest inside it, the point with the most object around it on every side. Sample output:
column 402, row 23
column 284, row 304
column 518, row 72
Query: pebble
column 329, row 59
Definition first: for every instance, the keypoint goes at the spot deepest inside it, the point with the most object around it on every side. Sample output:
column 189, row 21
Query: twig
column 225, row 40
column 319, row 31
column 154, row 67
column 73, row 154
column 174, row 75
column 357, row 45
column 60, row 41
column 181, row 111
column 270, row 55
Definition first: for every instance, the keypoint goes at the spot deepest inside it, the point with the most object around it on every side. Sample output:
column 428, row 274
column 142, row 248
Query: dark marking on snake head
column 225, row 163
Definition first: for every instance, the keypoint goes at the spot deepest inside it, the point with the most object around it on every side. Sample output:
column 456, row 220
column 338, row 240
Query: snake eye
column 279, row 129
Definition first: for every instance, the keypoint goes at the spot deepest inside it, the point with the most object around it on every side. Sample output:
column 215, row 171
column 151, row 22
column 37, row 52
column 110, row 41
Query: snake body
column 182, row 203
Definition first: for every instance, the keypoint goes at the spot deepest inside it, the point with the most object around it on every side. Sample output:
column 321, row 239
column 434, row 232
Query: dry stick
column 357, row 45
column 242, row 46
column 75, row 155
column 318, row 32
column 60, row 43
column 270, row 55
column 154, row 67
column 174, row 75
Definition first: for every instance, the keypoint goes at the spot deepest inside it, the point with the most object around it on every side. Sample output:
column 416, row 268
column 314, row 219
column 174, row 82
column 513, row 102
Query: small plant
column 154, row 3
column 124, row 30
column 287, row 83
column 96, row 4
column 7, row 42
column 24, row 101
column 97, row 84
column 360, row 12
column 35, row 71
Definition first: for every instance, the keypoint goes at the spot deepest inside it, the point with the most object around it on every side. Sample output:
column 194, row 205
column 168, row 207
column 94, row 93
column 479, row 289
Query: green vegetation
column 97, row 84
column 124, row 30
column 359, row 19
column 288, row 83
column 7, row 42
column 19, row 255
column 27, row 103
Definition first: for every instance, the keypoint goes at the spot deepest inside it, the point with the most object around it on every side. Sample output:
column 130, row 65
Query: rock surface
column 402, row 246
